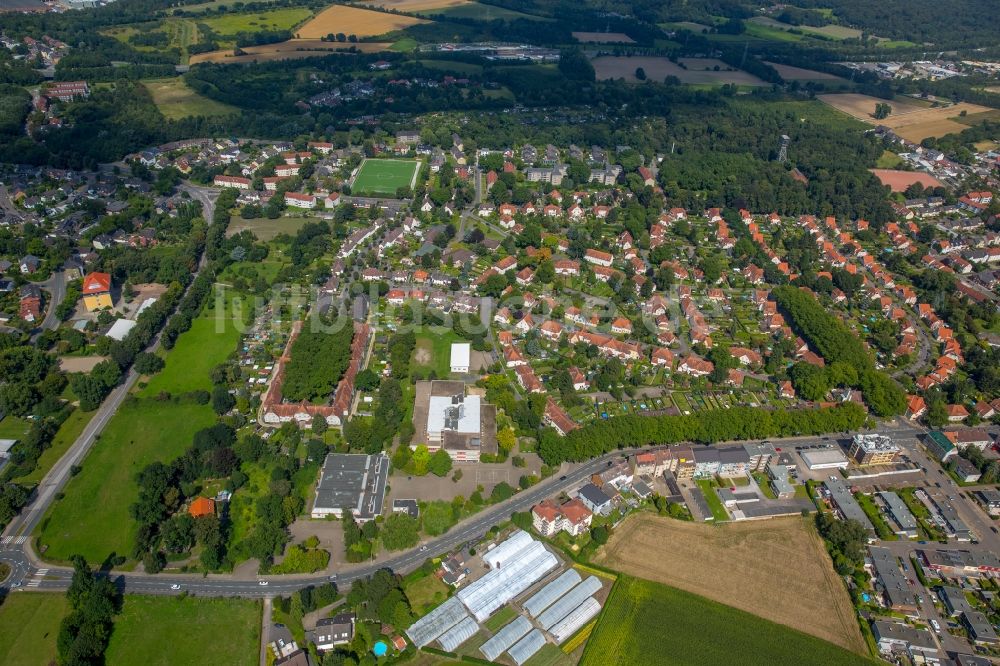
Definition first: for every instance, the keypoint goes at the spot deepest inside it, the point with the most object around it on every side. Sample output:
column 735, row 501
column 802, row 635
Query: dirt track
column 777, row 569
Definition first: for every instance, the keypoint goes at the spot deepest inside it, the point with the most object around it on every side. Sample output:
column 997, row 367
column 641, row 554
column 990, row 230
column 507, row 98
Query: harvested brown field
column 777, row 569
column 292, row 49
column 354, row 21
column 898, row 181
column 603, row 38
column 699, row 70
column 790, row 73
column 909, row 119
column 414, row 5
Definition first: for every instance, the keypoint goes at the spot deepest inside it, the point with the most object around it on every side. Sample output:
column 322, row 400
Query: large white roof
column 460, row 353
column 120, row 329
column 467, row 412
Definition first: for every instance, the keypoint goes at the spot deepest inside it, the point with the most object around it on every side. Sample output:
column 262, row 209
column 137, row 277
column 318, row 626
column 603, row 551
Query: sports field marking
column 385, row 176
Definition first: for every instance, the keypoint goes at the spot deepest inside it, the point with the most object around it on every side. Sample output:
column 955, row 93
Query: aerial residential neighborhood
column 484, row 331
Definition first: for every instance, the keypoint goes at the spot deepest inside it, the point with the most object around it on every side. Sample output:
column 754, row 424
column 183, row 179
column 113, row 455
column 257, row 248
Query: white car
column 936, row 625
column 175, row 586
column 262, row 582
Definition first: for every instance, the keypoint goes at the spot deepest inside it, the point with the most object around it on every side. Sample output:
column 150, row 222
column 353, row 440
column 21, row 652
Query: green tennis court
column 379, row 176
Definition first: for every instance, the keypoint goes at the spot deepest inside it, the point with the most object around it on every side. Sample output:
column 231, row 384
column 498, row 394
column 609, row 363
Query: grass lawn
column 714, row 503
column 631, row 630
column 433, row 352
column 29, row 626
column 888, row 160
column 93, row 517
column 209, row 341
column 384, row 176
column 265, row 229
column 174, row 631
column 68, row 432
column 176, row 100
column 506, row 615
column 13, row 427
column 425, row 593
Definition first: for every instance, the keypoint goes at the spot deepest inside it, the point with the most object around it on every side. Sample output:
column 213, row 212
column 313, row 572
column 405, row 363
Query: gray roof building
column 845, row 503
column 979, row 628
column 351, row 482
column 905, row 523
column 894, row 586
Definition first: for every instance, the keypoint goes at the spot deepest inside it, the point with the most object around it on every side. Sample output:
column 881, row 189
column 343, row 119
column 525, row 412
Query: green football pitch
column 377, row 176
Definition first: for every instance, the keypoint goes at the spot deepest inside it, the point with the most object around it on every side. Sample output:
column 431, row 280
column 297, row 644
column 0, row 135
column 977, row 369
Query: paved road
column 22, row 525
column 30, row 574
column 56, row 286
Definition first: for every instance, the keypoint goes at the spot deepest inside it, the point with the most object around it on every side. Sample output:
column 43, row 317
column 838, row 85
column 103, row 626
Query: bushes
column 600, row 437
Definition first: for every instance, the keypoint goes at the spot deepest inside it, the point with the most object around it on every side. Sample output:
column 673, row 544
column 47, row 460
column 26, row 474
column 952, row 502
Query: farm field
column 290, row 50
column 265, row 229
column 384, row 176
column 275, row 19
column 898, row 181
column 482, row 12
column 724, row 563
column 175, row 631
column 657, row 69
column 829, row 31
column 354, row 21
column 603, row 38
column 790, row 73
column 414, row 5
column 176, row 100
column 909, row 119
column 29, row 627
column 648, row 624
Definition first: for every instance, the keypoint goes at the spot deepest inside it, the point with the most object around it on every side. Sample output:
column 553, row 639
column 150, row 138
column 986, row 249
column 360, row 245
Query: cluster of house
column 47, row 49
column 328, row 634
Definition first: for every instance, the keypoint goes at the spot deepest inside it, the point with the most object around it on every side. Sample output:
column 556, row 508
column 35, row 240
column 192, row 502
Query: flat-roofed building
column 445, row 417
column 845, row 504
column 905, row 523
column 352, row 482
column 960, row 563
column 891, row 583
column 831, row 458
column 778, row 477
column 873, row 449
column 460, row 354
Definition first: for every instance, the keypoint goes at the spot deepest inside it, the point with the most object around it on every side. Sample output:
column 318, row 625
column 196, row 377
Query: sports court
column 380, row 176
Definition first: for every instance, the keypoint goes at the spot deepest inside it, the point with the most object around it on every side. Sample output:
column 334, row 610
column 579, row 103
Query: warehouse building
column 352, row 482
column 830, row 458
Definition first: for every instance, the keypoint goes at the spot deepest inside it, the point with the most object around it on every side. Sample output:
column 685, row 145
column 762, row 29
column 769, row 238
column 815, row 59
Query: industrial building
column 873, row 449
column 352, row 482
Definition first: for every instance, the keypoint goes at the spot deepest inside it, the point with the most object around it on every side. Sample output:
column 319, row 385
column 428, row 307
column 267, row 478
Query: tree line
column 740, row 423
